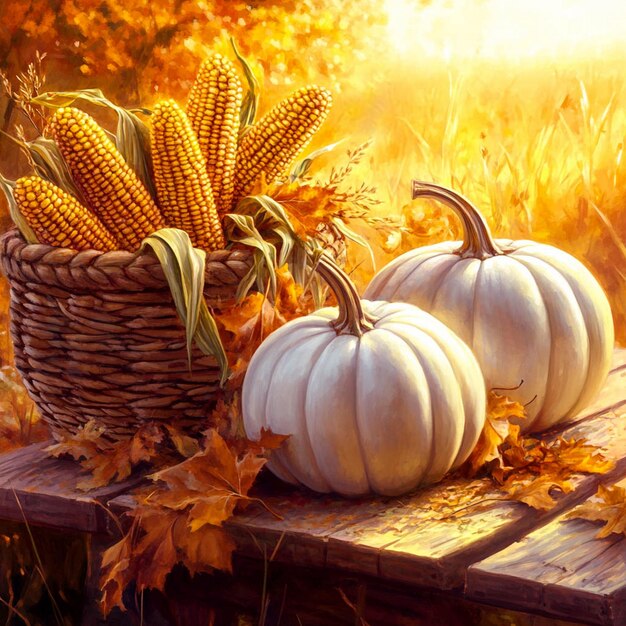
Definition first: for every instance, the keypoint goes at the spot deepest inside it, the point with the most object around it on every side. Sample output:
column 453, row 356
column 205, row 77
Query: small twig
column 112, row 515
column 277, row 546
column 521, row 382
column 265, row 506
column 359, row 619
column 12, row 609
column 57, row 612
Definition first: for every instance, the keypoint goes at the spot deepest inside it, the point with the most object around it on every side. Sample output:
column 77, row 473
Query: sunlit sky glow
column 507, row 29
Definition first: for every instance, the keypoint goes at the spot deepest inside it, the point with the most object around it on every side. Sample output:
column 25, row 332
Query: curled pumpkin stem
column 477, row 240
column 352, row 318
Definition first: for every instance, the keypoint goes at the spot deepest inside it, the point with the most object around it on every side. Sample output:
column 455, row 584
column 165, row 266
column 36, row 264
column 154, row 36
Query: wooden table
column 498, row 552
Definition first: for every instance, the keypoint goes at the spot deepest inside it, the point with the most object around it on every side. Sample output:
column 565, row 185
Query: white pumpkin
column 376, row 397
column 535, row 317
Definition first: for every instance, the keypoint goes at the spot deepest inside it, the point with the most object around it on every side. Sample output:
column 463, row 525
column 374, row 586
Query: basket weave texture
column 97, row 336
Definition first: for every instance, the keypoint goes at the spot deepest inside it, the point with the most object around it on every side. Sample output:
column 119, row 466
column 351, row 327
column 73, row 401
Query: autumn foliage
column 543, row 158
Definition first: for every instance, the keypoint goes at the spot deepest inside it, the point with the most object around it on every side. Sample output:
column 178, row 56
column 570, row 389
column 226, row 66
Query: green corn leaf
column 348, row 233
column 250, row 236
column 183, row 266
column 250, row 103
column 302, row 167
column 18, row 219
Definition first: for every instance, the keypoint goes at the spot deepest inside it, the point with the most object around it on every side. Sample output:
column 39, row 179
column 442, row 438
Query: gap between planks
column 393, row 539
column 400, row 539
column 562, row 570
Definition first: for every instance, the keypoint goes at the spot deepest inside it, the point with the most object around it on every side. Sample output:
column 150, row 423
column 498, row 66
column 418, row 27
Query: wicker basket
column 97, row 336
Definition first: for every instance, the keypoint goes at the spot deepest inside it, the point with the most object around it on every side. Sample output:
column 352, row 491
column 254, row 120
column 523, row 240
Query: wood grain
column 401, row 539
column 47, row 492
column 561, row 569
column 398, row 539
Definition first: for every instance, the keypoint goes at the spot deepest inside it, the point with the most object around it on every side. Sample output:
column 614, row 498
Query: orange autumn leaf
column 497, row 429
column 537, row 492
column 524, row 468
column 180, row 520
column 241, row 318
column 580, row 456
column 308, row 205
column 611, row 510
column 81, row 445
column 212, row 482
column 107, row 461
column 243, row 327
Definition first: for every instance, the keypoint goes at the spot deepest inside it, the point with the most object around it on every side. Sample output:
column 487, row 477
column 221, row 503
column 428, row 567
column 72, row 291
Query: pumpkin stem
column 352, row 318
column 477, row 239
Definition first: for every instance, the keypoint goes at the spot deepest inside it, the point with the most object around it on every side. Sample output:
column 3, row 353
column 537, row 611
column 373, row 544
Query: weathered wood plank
column 398, row 539
column 47, row 492
column 401, row 539
column 562, row 570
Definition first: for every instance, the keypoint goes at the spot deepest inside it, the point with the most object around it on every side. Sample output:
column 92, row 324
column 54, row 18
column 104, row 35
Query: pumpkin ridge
column 441, row 280
column 578, row 295
column 530, row 260
column 322, row 478
column 537, row 384
column 435, row 425
column 427, row 421
column 356, row 412
column 417, row 269
column 322, row 365
column 276, row 459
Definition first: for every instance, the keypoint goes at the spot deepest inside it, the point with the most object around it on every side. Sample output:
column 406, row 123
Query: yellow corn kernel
column 213, row 109
column 110, row 187
column 58, row 218
column 277, row 138
column 181, row 178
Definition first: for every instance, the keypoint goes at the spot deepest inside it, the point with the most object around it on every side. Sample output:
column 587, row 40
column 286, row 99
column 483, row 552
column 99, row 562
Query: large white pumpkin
column 376, row 397
column 535, row 317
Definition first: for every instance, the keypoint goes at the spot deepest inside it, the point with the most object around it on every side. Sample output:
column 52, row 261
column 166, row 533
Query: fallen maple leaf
column 212, row 482
column 580, row 456
column 180, row 520
column 536, row 491
column 611, row 510
column 497, row 429
column 80, row 445
column 528, row 469
column 111, row 461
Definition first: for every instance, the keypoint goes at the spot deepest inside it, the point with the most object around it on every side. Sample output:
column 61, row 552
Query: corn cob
column 58, row 219
column 213, row 109
column 180, row 175
column 275, row 140
column 109, row 185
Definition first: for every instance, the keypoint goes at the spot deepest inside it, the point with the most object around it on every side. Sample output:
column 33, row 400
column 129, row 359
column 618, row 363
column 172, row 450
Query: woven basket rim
column 122, row 269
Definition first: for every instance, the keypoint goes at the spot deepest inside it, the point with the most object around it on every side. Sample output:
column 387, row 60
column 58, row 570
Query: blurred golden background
column 520, row 106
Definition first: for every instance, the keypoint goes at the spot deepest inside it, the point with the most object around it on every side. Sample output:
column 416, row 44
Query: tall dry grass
column 537, row 146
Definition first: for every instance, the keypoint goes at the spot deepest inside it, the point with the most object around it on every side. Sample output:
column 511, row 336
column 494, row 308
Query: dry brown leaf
column 611, row 510
column 180, row 519
column 308, row 205
column 537, row 492
column 214, row 481
column 243, row 327
column 84, row 444
column 113, row 461
column 498, row 429
column 528, row 469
